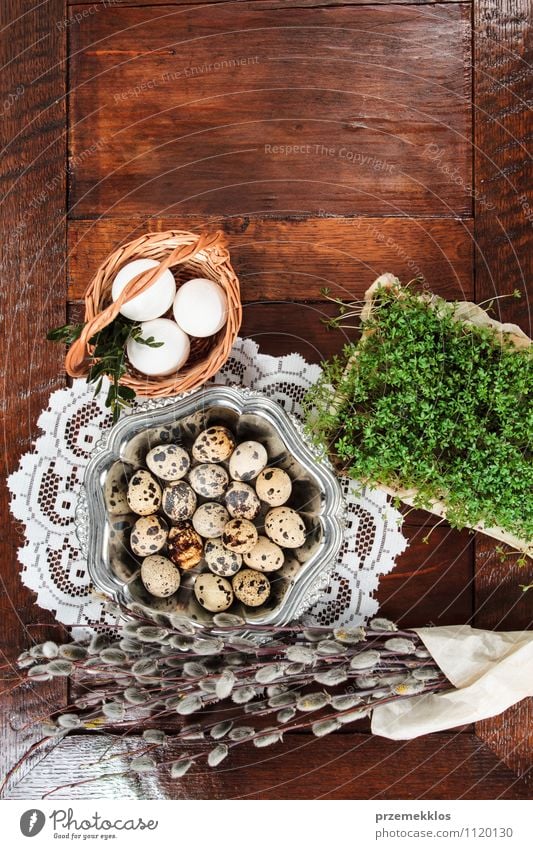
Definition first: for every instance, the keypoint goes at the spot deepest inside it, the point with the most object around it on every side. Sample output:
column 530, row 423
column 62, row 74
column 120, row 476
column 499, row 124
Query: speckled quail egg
column 220, row 560
column 210, row 519
column 144, row 493
column 115, row 490
column 265, row 556
column 159, row 576
column 251, row 587
column 209, row 480
column 179, row 501
column 273, row 486
column 185, row 546
column 283, row 580
column 248, row 459
column 241, row 501
column 148, row 535
column 168, row 462
column 285, row 527
column 213, row 592
column 239, row 535
column 213, row 445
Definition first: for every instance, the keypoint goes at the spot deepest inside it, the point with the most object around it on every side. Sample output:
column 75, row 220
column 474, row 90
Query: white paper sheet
column 490, row 670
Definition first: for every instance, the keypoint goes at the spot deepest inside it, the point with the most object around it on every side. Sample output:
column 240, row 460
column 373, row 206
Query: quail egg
column 213, row 592
column 251, row 587
column 213, row 445
column 179, row 501
column 239, row 535
column 115, row 490
column 285, row 527
column 220, row 560
column 185, row 547
column 265, row 556
column 168, row 462
column 273, row 486
column 159, row 576
column 210, row 519
column 248, row 459
column 241, row 501
column 144, row 493
column 148, row 535
column 209, row 480
column 287, row 575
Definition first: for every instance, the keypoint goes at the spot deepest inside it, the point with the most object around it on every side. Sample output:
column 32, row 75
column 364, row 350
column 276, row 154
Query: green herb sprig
column 433, row 404
column 109, row 357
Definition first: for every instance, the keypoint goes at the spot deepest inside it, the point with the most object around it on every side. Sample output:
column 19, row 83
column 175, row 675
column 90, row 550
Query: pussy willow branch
column 157, row 666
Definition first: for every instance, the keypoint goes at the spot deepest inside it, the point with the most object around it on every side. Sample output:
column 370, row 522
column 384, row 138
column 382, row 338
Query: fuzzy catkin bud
column 180, row 768
column 268, row 738
column 50, row 650
column 224, row 684
column 400, row 645
column 324, row 726
column 217, row 755
column 143, row 764
column 188, row 705
column 221, row 729
column 312, row 701
column 242, row 732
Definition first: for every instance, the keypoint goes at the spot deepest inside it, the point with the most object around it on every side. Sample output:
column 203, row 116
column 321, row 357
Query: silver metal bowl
column 104, row 520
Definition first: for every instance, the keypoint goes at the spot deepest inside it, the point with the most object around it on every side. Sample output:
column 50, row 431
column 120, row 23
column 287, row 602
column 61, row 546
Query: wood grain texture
column 383, row 83
column 240, row 110
column 500, row 604
column 504, row 261
column 337, row 767
column 432, row 582
column 32, row 298
column 294, row 259
column 260, row 4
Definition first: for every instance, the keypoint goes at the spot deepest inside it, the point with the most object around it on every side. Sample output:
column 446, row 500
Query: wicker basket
column 187, row 255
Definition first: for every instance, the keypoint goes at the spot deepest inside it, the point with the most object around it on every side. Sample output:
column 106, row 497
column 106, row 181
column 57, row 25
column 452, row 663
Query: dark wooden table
column 331, row 141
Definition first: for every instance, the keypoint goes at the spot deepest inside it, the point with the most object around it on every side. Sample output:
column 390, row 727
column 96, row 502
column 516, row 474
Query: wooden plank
column 434, row 767
column 500, row 604
column 502, row 57
column 294, row 259
column 240, row 110
column 260, row 4
column 432, row 582
column 33, row 185
column 503, row 168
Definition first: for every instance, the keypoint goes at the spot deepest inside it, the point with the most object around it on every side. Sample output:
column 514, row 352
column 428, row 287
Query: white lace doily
column 46, row 485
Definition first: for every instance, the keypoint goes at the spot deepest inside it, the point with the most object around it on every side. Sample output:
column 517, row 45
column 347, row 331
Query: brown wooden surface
column 442, row 766
column 162, row 122
column 504, row 262
column 384, row 81
column 32, row 298
column 277, row 259
column 262, row 4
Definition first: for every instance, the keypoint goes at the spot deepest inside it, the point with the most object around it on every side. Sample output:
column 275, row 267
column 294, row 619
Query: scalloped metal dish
column 103, row 519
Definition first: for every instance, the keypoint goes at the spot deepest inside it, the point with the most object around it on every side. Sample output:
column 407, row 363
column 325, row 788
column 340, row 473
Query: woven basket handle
column 77, row 361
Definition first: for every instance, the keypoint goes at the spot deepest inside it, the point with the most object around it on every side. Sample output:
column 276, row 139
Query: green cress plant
column 425, row 401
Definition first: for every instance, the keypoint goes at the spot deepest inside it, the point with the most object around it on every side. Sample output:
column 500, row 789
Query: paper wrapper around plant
column 468, row 313
column 490, row 671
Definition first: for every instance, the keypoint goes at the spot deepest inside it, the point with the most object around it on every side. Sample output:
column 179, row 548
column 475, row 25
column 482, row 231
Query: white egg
column 168, row 358
column 201, row 307
column 152, row 303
